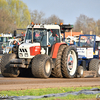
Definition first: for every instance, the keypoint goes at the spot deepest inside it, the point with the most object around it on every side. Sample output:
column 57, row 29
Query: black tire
column 80, row 71
column 6, row 70
column 41, row 66
column 56, row 71
column 95, row 66
column 69, row 68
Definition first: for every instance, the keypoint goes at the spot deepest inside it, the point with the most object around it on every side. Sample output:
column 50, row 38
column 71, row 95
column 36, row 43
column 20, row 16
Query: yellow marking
column 9, row 51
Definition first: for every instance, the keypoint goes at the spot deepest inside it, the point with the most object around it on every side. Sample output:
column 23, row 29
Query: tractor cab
column 88, row 56
column 86, row 46
column 43, row 36
column 87, row 40
column 39, row 39
column 4, row 41
column 97, row 47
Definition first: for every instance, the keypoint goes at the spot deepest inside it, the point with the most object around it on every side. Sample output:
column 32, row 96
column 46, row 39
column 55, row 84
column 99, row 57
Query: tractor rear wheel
column 6, row 70
column 41, row 66
column 56, row 72
column 69, row 62
column 95, row 66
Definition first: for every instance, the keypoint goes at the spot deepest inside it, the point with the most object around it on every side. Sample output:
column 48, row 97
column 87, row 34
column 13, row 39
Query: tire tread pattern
column 38, row 64
column 65, row 71
column 56, row 72
column 93, row 66
column 6, row 70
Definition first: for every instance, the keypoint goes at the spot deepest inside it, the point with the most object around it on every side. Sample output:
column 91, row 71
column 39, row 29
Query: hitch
column 18, row 63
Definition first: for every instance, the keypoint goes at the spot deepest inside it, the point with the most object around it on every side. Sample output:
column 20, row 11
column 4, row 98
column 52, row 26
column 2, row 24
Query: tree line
column 15, row 14
column 87, row 25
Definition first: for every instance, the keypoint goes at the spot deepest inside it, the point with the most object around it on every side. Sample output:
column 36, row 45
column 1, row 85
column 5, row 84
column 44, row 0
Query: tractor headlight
column 26, row 54
column 20, row 55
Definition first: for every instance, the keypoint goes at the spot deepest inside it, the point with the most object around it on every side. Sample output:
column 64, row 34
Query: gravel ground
column 34, row 83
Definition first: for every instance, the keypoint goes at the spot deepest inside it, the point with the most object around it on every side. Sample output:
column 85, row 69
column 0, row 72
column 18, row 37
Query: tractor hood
column 26, row 45
column 29, row 50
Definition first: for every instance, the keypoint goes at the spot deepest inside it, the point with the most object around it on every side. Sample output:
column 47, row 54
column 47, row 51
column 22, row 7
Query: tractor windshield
column 3, row 42
column 86, row 40
column 37, row 35
column 3, row 39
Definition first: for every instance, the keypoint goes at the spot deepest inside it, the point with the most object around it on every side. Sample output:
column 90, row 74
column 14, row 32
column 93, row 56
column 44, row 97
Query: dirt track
column 32, row 83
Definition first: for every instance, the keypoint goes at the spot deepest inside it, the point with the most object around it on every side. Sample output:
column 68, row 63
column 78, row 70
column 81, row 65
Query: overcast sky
column 68, row 10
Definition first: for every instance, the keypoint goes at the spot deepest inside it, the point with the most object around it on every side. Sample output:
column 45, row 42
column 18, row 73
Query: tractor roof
column 5, row 35
column 45, row 26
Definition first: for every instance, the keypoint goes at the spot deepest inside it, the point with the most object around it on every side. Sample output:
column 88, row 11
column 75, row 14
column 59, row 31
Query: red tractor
column 43, row 54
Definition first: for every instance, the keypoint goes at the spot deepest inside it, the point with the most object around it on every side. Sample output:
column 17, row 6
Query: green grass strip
column 44, row 91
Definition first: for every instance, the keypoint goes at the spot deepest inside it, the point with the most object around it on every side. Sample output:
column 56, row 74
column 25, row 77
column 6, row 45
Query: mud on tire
column 56, row 72
column 95, row 66
column 41, row 66
column 69, row 62
column 6, row 70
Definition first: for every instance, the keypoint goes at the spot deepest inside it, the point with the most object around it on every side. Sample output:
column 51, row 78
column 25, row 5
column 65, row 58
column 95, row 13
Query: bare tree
column 98, row 27
column 85, row 24
column 37, row 17
column 6, row 22
column 53, row 19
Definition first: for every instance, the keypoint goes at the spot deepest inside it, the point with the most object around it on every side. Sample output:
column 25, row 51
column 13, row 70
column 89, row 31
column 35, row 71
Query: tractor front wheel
column 41, row 66
column 6, row 70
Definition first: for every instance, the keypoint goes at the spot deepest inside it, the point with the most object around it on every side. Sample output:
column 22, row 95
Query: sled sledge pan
column 88, row 74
